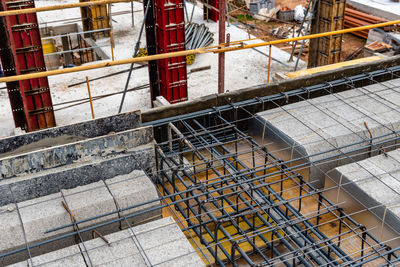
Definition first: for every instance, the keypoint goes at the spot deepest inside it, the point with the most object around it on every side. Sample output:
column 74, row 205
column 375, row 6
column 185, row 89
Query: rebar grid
column 205, row 145
column 245, row 184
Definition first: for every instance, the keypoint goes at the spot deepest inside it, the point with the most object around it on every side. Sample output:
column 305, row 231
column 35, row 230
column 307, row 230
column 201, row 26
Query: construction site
column 199, row 133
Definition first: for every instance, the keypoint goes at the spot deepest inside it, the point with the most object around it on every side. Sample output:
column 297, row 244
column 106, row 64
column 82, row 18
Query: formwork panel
column 329, row 17
column 170, row 35
column 95, row 18
column 211, row 13
column 24, row 45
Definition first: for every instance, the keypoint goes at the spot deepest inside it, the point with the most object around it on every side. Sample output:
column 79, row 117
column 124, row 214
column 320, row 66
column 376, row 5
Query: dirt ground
column 260, row 28
column 290, row 3
column 350, row 44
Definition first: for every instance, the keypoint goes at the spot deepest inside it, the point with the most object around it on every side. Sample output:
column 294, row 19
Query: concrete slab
column 11, row 233
column 41, row 214
column 121, row 252
column 81, row 151
column 309, row 129
column 62, row 135
column 386, row 9
column 159, row 242
column 172, row 249
column 372, row 184
column 90, row 201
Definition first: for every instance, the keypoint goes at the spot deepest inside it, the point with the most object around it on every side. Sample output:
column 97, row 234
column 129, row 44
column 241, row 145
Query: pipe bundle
column 197, row 36
column 354, row 18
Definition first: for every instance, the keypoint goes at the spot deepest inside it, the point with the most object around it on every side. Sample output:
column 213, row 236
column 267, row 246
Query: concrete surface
column 41, row 214
column 70, row 256
column 386, row 9
column 85, row 150
column 159, row 243
column 325, row 123
column 373, row 184
column 134, row 188
column 11, row 233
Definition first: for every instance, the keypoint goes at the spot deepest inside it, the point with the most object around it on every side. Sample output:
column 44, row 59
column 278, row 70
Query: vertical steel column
column 21, row 53
column 151, row 49
column 221, row 56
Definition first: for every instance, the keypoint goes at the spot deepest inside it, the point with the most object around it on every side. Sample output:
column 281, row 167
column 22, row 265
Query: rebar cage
column 239, row 203
column 234, row 199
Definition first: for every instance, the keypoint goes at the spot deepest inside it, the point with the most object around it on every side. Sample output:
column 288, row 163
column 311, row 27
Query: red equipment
column 21, row 53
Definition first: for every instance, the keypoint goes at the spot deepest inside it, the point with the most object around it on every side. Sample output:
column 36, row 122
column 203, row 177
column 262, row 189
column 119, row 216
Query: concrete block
column 162, row 243
column 134, row 188
column 160, row 102
column 166, row 249
column 45, row 213
column 11, row 234
column 309, row 128
column 89, row 201
column 70, row 256
column 122, row 251
column 373, row 187
column 42, row 214
column 159, row 242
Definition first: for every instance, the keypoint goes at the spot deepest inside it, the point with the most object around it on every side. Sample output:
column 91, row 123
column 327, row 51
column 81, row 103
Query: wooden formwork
column 329, row 16
column 95, row 18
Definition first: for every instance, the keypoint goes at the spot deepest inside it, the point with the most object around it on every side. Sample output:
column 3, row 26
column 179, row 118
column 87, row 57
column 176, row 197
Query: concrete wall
column 62, row 135
column 264, row 90
column 41, row 214
column 75, row 164
column 310, row 128
column 159, row 243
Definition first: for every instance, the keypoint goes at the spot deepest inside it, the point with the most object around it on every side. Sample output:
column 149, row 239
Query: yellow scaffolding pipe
column 57, row 7
column 213, row 49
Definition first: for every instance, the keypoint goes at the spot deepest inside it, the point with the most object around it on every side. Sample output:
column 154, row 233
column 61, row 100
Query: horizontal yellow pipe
column 237, row 45
column 57, row 7
column 312, row 36
column 100, row 65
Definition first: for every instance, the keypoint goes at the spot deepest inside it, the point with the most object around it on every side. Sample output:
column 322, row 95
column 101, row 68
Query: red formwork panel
column 170, row 36
column 26, row 48
column 210, row 13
